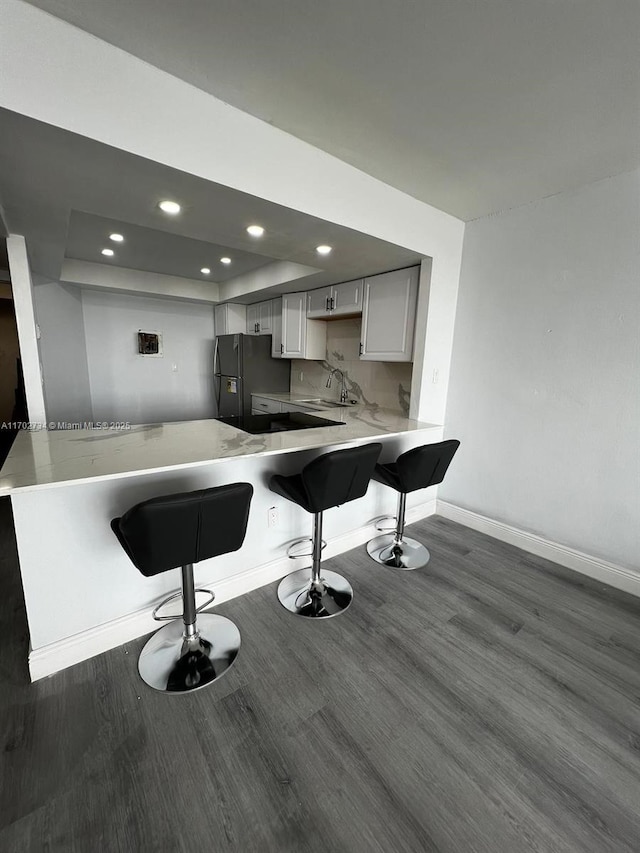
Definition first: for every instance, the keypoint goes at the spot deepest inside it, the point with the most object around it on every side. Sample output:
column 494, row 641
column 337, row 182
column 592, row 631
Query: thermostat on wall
column 150, row 344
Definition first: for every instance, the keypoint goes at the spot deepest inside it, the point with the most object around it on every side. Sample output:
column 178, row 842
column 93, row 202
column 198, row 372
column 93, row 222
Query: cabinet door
column 388, row 316
column 294, row 325
column 265, row 406
column 318, row 302
column 252, row 319
column 276, row 328
column 221, row 325
column 346, row 298
column 264, row 318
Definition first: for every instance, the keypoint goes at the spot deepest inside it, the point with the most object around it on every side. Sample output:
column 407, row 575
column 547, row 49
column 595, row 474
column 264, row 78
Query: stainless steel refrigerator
column 242, row 366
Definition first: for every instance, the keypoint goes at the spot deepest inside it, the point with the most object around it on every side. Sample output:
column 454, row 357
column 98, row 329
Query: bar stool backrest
column 425, row 466
column 176, row 530
column 340, row 476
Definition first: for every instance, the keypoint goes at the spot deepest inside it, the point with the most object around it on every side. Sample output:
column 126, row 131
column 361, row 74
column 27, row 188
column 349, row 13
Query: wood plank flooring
column 489, row 702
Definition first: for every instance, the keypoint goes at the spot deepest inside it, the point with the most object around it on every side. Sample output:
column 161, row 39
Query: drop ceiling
column 472, row 107
column 66, row 194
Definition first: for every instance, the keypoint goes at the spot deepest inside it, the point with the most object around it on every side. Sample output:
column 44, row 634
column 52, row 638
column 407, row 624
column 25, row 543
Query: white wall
column 63, row 352
column 126, row 386
column 51, row 71
column 545, row 383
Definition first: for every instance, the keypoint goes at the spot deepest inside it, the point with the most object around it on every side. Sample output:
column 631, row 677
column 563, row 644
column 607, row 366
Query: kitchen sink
column 326, row 404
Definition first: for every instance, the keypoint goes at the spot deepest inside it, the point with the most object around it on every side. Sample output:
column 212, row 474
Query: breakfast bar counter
column 82, row 594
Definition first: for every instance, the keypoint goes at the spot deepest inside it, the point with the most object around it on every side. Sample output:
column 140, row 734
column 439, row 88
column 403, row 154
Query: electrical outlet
column 272, row 516
column 435, row 376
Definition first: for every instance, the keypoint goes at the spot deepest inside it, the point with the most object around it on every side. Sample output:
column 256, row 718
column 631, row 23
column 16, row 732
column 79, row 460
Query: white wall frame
column 27, row 327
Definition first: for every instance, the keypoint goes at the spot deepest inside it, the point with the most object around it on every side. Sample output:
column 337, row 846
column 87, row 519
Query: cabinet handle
column 332, row 305
column 281, row 347
column 326, row 304
column 361, row 348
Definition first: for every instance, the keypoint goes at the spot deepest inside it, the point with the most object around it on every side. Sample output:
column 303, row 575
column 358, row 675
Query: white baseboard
column 49, row 659
column 608, row 573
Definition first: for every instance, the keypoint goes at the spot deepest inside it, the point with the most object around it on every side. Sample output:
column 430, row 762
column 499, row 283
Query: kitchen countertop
column 42, row 459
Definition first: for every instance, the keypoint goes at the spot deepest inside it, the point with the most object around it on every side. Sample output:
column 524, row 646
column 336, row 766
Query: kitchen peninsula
column 83, row 596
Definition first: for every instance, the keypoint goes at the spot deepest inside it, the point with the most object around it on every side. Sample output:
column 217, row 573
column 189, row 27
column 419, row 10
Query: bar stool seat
column 416, row 469
column 174, row 531
column 333, row 479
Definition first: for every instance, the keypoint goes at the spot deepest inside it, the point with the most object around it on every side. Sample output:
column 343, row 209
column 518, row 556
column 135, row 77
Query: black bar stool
column 416, row 469
column 330, row 480
column 177, row 531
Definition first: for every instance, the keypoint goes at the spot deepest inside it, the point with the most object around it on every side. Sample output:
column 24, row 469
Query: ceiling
column 66, row 193
column 154, row 251
column 472, row 107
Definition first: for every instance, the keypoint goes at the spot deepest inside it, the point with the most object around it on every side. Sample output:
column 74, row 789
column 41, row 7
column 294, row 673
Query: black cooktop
column 281, row 422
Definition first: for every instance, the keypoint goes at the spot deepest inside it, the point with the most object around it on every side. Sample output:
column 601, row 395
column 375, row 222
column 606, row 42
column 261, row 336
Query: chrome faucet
column 343, row 389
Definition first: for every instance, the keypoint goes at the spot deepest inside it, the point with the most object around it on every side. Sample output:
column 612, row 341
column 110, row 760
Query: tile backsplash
column 375, row 383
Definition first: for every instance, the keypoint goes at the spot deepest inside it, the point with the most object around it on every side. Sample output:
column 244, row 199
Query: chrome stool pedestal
column 192, row 652
column 395, row 550
column 321, row 595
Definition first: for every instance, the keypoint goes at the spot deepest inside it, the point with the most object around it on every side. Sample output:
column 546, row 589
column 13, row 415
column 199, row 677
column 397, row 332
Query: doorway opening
column 13, row 408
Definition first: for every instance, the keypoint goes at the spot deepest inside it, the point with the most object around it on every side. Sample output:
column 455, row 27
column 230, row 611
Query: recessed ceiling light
column 117, row 238
column 323, row 250
column 170, row 207
column 107, row 252
column 205, row 270
column 255, row 230
column 225, row 260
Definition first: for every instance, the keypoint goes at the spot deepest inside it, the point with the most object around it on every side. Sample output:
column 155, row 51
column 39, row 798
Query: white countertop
column 42, row 459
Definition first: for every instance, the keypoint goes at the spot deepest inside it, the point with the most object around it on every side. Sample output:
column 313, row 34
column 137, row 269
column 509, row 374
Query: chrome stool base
column 404, row 554
column 330, row 596
column 174, row 663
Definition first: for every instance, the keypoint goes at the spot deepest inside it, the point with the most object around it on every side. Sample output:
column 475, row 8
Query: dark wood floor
column 490, row 702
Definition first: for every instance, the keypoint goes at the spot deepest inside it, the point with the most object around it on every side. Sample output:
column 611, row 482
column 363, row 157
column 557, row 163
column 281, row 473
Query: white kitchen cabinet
column 230, row 318
column 388, row 316
column 263, row 405
column 252, row 319
column 339, row 300
column 318, row 302
column 259, row 318
column 346, row 298
column 265, row 314
column 301, row 337
column 276, row 328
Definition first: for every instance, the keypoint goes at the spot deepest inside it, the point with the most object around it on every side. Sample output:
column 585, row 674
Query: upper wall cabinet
column 318, row 302
column 346, row 298
column 388, row 316
column 277, row 348
column 259, row 318
column 301, row 337
column 230, row 319
column 339, row 300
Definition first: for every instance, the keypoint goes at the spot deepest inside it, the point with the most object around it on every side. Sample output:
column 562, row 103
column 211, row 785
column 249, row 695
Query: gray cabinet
column 276, row 328
column 230, row 319
column 388, row 316
column 301, row 337
column 318, row 302
column 259, row 320
column 346, row 298
column 339, row 300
